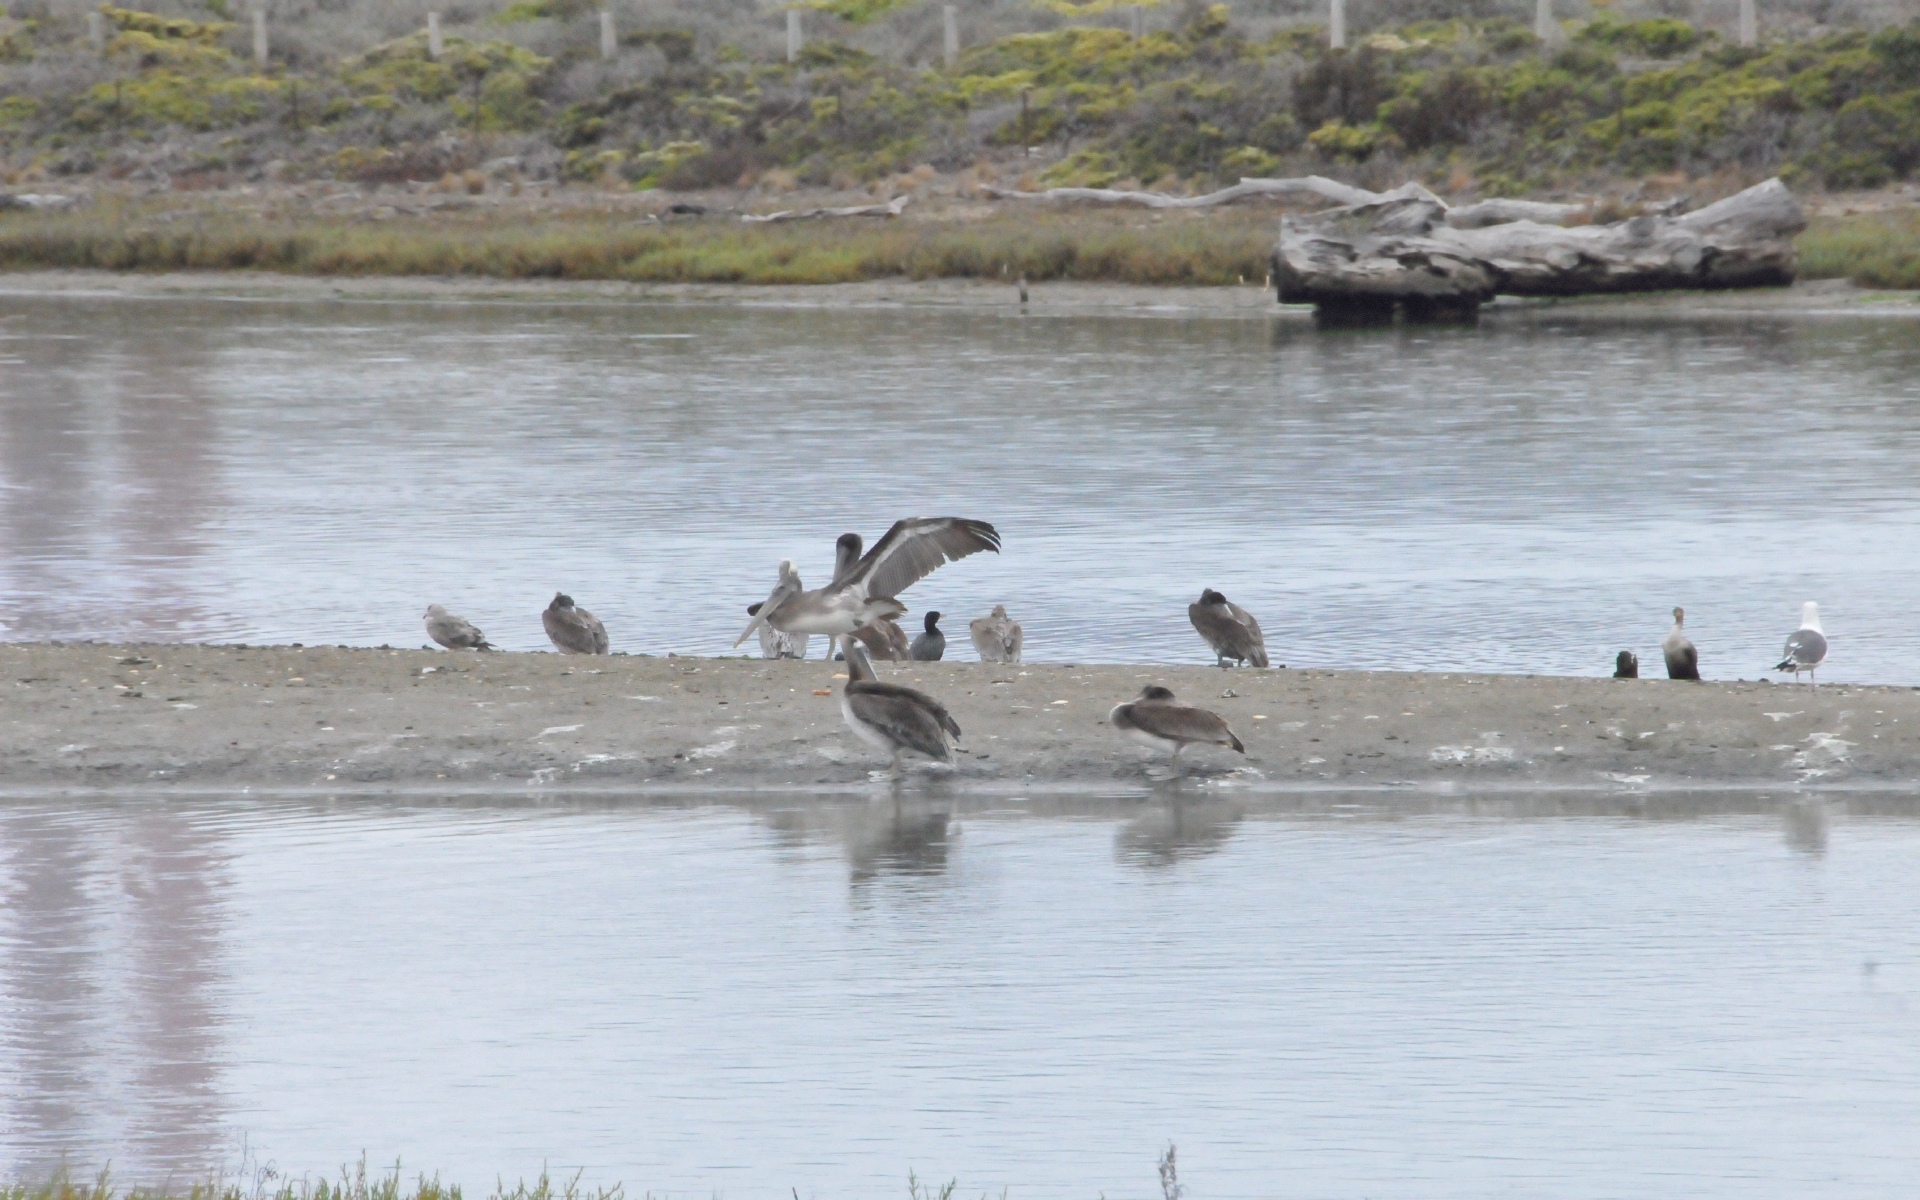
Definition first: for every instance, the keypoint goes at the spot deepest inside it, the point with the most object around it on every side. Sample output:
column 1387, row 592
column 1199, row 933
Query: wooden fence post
column 435, row 45
column 609, row 45
column 260, row 37
column 793, row 35
column 1337, row 24
column 950, row 22
column 1749, row 23
column 97, row 32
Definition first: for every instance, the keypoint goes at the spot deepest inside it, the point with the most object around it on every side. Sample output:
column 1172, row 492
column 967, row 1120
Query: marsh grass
column 1873, row 250
column 1092, row 247
column 354, row 1183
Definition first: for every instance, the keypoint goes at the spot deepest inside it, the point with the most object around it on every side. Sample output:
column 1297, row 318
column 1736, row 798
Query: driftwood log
column 891, row 208
column 1406, row 250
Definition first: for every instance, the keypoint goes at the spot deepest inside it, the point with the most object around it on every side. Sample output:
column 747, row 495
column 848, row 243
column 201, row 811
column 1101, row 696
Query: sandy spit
column 1818, row 298
column 91, row 717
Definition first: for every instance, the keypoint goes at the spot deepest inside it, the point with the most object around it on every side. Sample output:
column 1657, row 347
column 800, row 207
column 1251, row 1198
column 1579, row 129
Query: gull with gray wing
column 1806, row 646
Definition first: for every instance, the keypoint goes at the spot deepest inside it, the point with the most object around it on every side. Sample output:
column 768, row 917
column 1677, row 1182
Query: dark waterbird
column 574, row 630
column 1683, row 661
column 931, row 645
column 1229, row 629
column 893, row 719
column 1626, row 665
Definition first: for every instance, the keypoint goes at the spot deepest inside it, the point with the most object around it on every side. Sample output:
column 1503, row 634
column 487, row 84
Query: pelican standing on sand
column 1683, row 661
column 997, row 636
column 455, row 633
column 1155, row 720
column 773, row 642
column 864, row 592
column 1229, row 629
column 930, row 646
column 573, row 630
column 894, row 719
column 1806, row 646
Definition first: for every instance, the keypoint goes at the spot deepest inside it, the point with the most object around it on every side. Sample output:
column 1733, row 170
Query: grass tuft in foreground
column 354, row 1183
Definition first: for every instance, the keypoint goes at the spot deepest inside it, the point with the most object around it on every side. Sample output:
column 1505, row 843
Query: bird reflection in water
column 1806, row 824
column 900, row 835
column 1179, row 825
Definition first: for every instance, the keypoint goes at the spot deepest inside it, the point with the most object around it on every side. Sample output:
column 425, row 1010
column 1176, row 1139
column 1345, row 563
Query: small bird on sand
column 1806, row 646
column 1155, row 720
column 574, row 630
column 997, row 636
column 1683, row 661
column 884, row 639
column 894, row 719
column 455, row 633
column 931, row 645
column 1626, row 665
column 1229, row 629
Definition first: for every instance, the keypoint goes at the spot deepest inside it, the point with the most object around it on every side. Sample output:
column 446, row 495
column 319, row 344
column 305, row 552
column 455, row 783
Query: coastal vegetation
column 1203, row 96
column 354, row 1183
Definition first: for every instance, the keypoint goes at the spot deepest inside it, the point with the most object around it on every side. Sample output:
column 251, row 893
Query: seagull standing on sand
column 1229, row 629
column 1626, row 665
column 864, row 592
column 573, row 630
column 894, row 719
column 997, row 636
column 1806, row 646
column 1683, row 661
column 455, row 633
column 931, row 645
column 1155, row 720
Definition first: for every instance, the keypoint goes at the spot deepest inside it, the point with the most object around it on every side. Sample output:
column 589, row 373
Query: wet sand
column 224, row 718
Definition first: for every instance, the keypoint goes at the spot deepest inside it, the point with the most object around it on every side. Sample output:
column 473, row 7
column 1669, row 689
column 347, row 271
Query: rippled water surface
column 1552, row 997
column 1531, row 496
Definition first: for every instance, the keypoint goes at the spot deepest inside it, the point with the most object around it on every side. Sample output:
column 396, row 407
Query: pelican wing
column 1183, row 723
column 1221, row 628
column 914, row 549
column 575, row 630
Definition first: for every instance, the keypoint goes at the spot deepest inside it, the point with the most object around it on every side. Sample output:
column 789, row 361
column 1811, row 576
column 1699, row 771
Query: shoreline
column 177, row 718
column 1812, row 298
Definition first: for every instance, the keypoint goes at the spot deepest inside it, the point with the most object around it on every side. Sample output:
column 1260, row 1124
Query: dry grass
column 1875, row 250
column 354, row 1183
column 1103, row 247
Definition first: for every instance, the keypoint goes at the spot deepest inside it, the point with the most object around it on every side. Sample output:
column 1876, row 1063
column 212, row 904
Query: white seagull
column 1806, row 646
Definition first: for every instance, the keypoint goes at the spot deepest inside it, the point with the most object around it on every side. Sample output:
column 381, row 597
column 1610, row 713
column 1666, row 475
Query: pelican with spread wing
column 863, row 590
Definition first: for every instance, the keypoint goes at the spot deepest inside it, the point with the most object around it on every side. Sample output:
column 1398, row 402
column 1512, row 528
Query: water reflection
column 1808, row 824
column 1176, row 827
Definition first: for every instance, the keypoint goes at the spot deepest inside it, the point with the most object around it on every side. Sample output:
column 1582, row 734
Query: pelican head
column 1211, row 597
column 562, row 600
column 1679, row 616
column 1155, row 692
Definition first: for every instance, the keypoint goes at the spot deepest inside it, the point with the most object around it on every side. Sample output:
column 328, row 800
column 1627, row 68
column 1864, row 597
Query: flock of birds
column 1806, row 650
column 858, row 612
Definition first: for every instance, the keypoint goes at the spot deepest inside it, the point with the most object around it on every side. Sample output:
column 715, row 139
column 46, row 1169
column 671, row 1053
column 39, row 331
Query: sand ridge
column 194, row 717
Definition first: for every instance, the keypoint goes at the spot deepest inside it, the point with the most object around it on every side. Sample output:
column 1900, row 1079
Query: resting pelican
column 773, row 642
column 1626, row 665
column 894, row 719
column 455, row 633
column 930, row 646
column 1155, row 720
column 1806, row 646
column 573, row 630
column 1228, row 628
column 864, row 592
column 997, row 636
column 885, row 640
column 1683, row 661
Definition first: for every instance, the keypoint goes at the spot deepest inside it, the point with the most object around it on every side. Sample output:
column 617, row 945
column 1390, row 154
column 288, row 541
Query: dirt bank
column 217, row 717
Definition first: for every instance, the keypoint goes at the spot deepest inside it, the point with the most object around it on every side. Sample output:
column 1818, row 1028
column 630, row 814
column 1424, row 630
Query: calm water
column 1527, row 497
column 1567, row 998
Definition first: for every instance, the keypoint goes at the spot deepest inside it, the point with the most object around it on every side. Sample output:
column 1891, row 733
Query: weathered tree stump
column 1406, row 252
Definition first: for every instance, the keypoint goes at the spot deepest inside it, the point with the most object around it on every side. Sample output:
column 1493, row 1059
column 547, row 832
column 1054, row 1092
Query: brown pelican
column 930, row 646
column 1806, row 646
column 573, row 630
column 773, row 642
column 997, row 636
column 1228, row 628
column 885, row 640
column 1155, row 720
column 1683, row 661
column 455, row 633
column 1626, row 665
column 864, row 592
column 894, row 719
